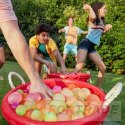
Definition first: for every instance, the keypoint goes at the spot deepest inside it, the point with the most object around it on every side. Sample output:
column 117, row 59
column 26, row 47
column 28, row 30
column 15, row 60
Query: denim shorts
column 86, row 44
column 1, row 43
column 70, row 48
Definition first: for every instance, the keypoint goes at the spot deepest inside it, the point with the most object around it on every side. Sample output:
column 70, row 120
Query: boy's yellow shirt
column 51, row 46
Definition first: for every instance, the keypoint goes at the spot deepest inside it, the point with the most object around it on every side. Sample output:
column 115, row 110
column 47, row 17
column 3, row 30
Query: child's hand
column 64, row 71
column 86, row 7
column 51, row 66
column 108, row 27
column 59, row 31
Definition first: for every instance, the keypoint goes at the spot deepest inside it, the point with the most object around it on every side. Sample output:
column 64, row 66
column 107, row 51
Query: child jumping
column 96, row 28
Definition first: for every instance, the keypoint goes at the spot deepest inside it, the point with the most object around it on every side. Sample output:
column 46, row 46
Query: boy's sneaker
column 1, row 78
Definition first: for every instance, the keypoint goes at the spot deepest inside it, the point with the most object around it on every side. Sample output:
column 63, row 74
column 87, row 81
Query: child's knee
column 102, row 68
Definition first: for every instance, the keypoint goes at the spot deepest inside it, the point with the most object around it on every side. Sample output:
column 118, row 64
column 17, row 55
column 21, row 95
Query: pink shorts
column 6, row 11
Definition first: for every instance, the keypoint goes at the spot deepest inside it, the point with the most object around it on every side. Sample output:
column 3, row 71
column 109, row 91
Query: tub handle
column 46, row 69
column 90, row 80
column 10, row 79
column 112, row 94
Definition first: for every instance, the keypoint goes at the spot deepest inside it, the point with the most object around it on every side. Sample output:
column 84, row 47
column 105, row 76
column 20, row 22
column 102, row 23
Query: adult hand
column 48, row 91
column 42, row 89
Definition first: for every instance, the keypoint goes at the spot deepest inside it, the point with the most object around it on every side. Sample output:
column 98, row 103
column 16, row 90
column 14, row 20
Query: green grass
column 4, row 85
column 117, row 107
column 117, row 113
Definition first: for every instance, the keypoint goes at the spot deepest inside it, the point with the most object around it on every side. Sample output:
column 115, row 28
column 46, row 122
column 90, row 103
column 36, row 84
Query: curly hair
column 42, row 28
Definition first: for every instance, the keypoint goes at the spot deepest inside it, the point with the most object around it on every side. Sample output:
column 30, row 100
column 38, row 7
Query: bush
column 112, row 49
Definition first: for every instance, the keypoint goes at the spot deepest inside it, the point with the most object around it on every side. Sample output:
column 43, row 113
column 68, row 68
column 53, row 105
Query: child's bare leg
column 64, row 57
column 81, row 57
column 75, row 57
column 98, row 61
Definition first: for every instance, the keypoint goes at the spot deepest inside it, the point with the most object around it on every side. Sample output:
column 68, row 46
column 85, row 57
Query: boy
column 45, row 51
column 71, row 34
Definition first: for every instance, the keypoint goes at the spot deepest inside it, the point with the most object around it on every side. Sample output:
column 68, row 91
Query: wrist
column 63, row 67
column 45, row 62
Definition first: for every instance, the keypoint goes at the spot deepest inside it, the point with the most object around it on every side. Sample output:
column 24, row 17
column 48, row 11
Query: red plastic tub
column 13, row 119
column 78, row 76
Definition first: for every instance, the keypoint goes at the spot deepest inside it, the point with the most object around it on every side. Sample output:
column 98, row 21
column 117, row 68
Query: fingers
column 108, row 27
column 65, row 72
column 52, row 66
column 49, row 92
column 86, row 6
column 47, row 97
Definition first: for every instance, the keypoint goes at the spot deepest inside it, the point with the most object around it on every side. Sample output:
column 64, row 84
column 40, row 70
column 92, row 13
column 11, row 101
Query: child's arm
column 60, row 60
column 85, row 32
column 89, row 9
column 80, row 31
column 61, row 30
column 39, row 58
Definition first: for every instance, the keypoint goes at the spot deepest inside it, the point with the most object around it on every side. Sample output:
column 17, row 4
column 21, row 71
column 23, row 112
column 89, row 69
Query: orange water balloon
column 71, row 86
column 28, row 113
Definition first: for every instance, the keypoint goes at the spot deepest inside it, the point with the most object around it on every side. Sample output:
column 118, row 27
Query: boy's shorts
column 86, row 44
column 70, row 48
column 48, row 59
column 6, row 11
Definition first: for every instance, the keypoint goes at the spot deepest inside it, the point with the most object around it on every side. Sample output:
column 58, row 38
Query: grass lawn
column 117, row 107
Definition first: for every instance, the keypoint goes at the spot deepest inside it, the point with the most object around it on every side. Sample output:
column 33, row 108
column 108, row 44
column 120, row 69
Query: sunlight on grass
column 117, row 79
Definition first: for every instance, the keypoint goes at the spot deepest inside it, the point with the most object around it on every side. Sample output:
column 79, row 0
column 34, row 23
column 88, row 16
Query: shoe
column 44, row 76
column 1, row 78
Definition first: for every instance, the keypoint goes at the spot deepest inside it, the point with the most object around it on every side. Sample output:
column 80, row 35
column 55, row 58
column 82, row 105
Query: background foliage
column 55, row 12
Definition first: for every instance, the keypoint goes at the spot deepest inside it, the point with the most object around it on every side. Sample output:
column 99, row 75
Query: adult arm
column 20, row 50
column 61, row 30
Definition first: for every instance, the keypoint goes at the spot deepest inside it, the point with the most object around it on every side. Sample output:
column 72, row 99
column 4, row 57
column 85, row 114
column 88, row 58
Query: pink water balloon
column 57, row 89
column 15, row 97
column 14, row 105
